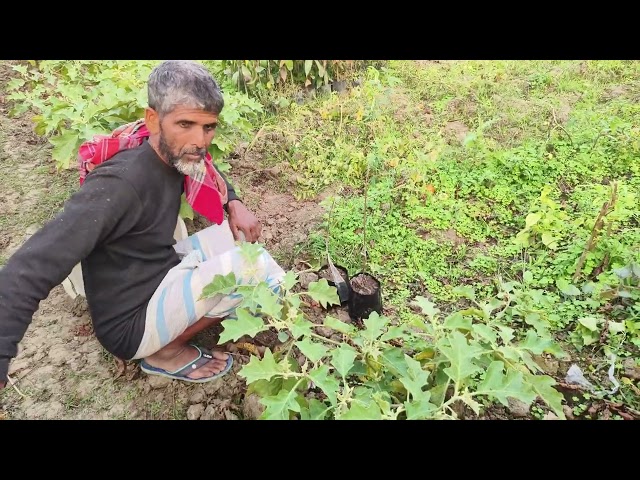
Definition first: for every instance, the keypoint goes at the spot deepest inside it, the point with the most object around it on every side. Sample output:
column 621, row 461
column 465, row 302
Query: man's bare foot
column 171, row 358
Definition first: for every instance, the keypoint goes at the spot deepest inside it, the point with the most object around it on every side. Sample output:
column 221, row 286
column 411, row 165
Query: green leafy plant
column 422, row 369
column 75, row 100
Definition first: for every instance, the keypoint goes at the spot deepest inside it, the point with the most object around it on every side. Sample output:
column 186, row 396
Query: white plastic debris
column 612, row 379
column 575, row 377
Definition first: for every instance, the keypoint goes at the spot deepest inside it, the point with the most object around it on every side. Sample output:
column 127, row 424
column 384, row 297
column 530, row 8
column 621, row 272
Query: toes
column 220, row 355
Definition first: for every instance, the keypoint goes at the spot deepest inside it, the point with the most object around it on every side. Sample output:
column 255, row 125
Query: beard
column 190, row 168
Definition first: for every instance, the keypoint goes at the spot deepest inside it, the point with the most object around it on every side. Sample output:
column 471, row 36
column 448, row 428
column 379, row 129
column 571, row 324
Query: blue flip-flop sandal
column 203, row 358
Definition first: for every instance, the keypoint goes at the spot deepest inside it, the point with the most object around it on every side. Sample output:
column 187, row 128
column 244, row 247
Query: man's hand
column 241, row 219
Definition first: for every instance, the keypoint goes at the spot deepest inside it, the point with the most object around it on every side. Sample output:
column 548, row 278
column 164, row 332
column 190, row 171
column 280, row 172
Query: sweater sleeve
column 103, row 206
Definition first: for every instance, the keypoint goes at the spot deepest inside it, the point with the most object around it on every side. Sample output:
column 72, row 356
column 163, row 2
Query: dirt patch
column 455, row 131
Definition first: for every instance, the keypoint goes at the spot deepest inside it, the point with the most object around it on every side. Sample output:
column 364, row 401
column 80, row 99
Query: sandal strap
column 202, row 359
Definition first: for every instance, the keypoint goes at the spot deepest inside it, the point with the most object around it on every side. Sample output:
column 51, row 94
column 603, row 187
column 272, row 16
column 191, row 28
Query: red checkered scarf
column 205, row 193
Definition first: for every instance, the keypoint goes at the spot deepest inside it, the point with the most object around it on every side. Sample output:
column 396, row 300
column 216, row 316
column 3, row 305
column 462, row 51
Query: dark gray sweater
column 120, row 225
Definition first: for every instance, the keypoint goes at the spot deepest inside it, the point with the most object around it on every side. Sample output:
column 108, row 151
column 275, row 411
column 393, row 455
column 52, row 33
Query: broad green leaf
column 326, row 382
column 289, row 64
column 316, row 411
column 506, row 333
column 321, row 70
column 465, row 291
column 461, row 355
column 486, row 332
column 338, row 325
column 427, row 307
column 565, row 287
column 265, row 388
column 589, row 322
column 548, row 239
column 534, row 319
column 420, row 409
column 186, row 211
column 301, row 327
column 65, row 148
column 543, row 386
column 268, row 301
column 532, row 219
column 458, row 321
column 312, row 350
column 294, row 301
column 393, row 359
column 250, row 252
column 416, row 378
column 469, row 400
column 374, row 325
column 278, row 407
column 283, row 336
column 289, row 280
column 500, row 386
column 635, row 267
column 263, row 369
column 323, row 293
column 535, row 343
column 393, row 332
column 527, row 276
column 439, row 390
column 246, row 324
column 307, row 67
column 624, row 272
column 221, row 284
column 343, row 358
column 359, row 412
column 616, row 327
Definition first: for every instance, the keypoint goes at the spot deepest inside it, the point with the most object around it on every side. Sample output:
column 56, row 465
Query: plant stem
column 364, row 225
column 325, row 338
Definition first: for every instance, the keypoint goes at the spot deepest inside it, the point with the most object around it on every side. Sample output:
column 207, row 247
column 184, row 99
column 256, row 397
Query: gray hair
column 186, row 83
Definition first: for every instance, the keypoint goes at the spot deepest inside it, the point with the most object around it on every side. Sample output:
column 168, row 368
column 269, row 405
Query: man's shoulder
column 126, row 165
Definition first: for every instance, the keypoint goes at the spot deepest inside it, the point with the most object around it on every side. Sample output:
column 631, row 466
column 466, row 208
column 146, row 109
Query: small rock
column 270, row 221
column 87, row 347
column 306, row 278
column 343, row 316
column 282, row 220
column 198, row 396
column 156, row 381
column 631, row 370
column 290, row 209
column 252, row 408
column 550, row 416
column 324, row 331
column 230, row 416
column 210, row 388
column 195, row 411
column 568, row 412
column 117, row 411
column 518, row 408
column 209, row 413
column 267, row 235
column 58, row 355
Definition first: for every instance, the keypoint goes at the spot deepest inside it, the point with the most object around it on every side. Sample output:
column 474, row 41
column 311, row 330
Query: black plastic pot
column 363, row 304
column 344, row 289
